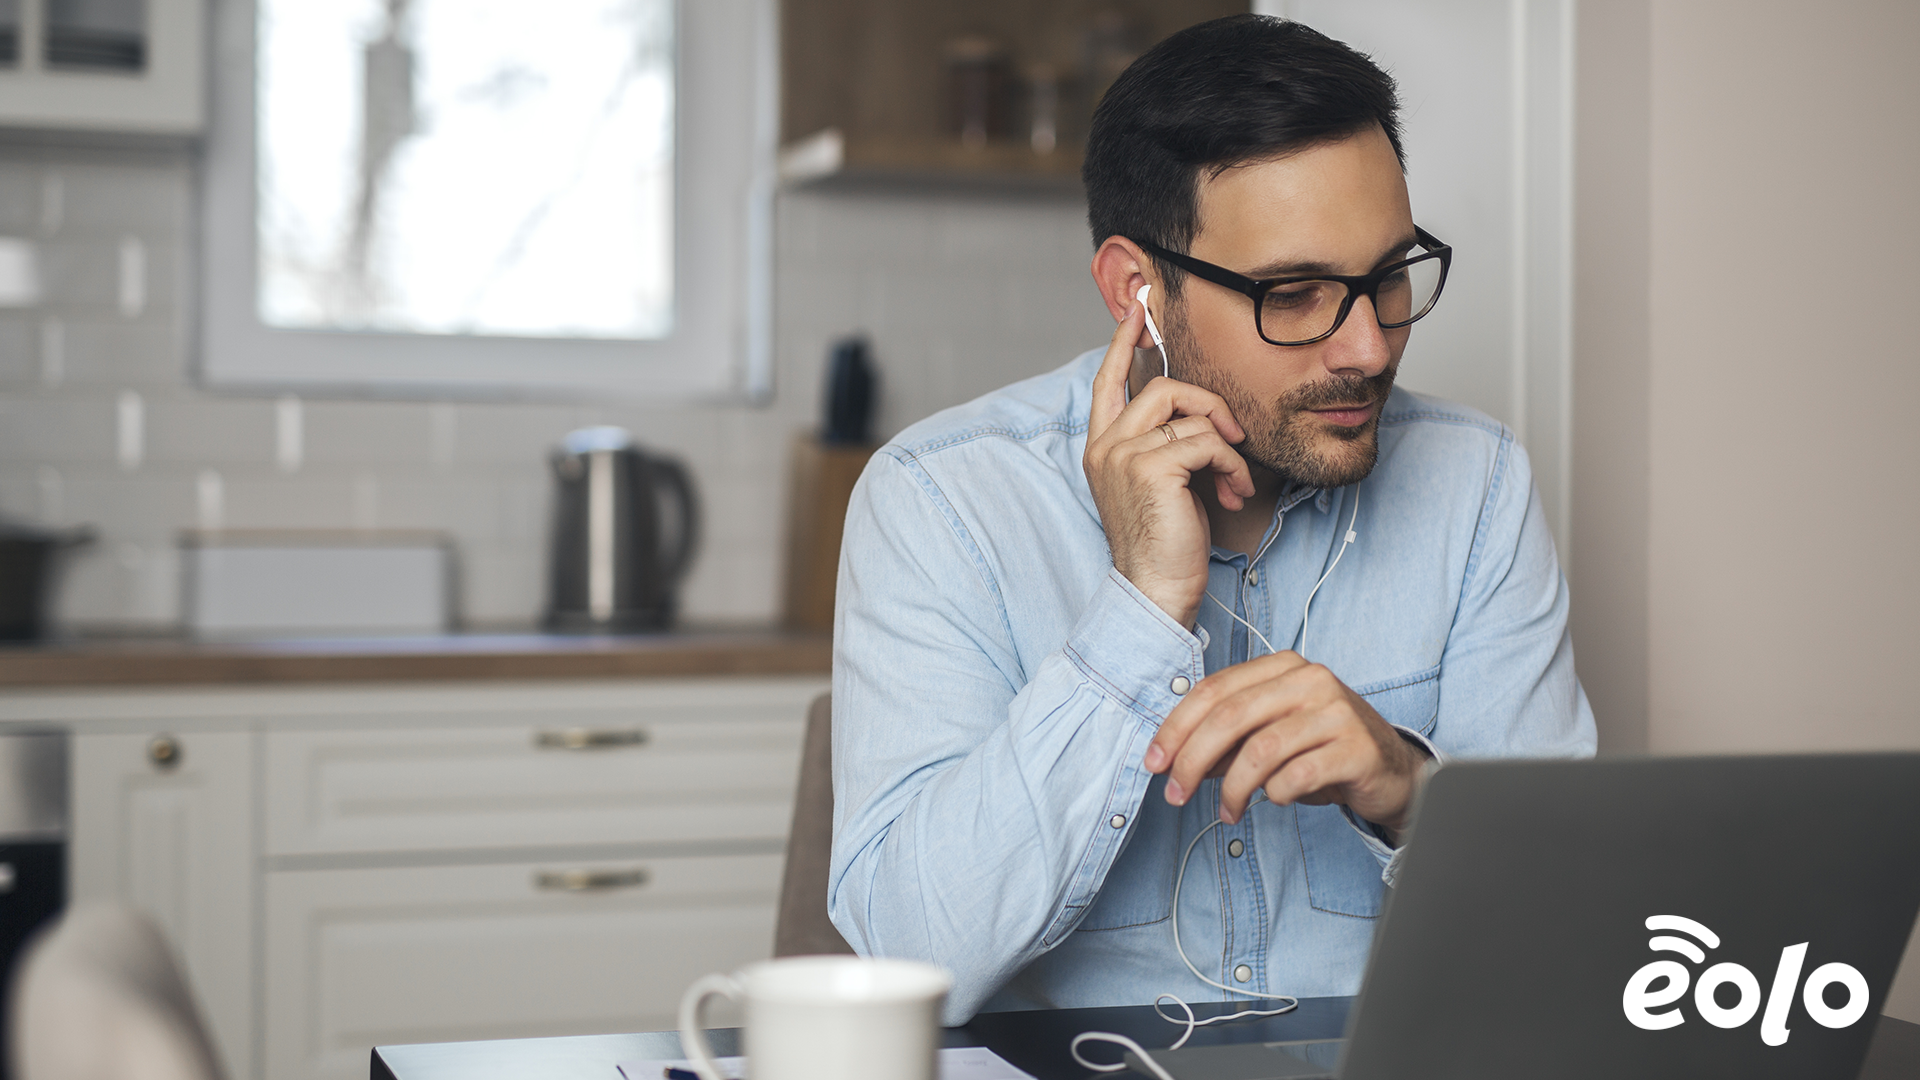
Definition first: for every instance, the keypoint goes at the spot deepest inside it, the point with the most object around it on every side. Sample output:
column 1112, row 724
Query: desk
column 1034, row 1041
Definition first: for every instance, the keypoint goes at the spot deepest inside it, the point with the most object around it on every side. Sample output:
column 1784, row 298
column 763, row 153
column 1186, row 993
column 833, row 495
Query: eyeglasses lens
column 1304, row 310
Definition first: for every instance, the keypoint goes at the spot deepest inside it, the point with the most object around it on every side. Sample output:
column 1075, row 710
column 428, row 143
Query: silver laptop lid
column 1646, row 918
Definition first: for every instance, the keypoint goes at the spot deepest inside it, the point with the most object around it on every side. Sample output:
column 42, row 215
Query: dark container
column 29, row 562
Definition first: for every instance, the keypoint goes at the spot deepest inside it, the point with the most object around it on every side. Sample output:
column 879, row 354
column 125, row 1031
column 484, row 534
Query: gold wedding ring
column 1167, row 430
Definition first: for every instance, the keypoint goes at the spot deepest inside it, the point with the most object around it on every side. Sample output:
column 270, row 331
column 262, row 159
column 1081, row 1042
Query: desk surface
column 1034, row 1041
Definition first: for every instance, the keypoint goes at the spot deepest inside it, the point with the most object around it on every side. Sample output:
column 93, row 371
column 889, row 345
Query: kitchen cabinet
column 363, row 957
column 163, row 818
column 340, row 866
column 111, row 67
column 640, row 774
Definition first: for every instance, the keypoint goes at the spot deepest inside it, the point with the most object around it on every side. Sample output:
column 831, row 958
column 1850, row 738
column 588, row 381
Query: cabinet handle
column 164, row 751
column 590, row 880
column 578, row 738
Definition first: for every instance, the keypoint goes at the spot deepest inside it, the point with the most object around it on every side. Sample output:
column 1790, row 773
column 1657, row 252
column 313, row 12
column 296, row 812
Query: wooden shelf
column 829, row 158
column 869, row 95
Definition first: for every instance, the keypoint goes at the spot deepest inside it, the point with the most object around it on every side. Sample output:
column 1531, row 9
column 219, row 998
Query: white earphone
column 1153, row 330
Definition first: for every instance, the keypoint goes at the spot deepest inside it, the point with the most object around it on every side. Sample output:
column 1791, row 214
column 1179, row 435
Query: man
column 1086, row 618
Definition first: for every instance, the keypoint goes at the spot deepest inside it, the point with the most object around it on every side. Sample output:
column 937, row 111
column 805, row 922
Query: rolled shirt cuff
column 1134, row 651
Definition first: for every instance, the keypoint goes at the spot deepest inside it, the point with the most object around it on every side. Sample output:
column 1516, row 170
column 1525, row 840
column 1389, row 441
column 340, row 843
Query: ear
column 1119, row 269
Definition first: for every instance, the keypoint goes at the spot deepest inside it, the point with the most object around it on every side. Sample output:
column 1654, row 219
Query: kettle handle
column 675, row 558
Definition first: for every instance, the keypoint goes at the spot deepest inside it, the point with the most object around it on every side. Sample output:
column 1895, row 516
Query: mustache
column 1360, row 390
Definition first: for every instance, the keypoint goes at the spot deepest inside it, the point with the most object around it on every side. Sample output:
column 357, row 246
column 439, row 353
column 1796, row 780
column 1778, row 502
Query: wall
column 960, row 294
column 1485, row 90
column 1607, row 567
column 1757, row 163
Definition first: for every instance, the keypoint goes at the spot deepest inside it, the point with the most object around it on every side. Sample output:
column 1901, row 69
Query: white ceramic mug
column 825, row 1018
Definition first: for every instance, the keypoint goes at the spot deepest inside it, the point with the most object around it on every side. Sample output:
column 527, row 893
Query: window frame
column 725, row 129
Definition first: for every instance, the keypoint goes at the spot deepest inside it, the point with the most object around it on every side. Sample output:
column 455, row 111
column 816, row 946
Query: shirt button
column 1242, row 973
column 1118, row 821
column 1253, row 577
column 1180, row 685
column 1234, row 848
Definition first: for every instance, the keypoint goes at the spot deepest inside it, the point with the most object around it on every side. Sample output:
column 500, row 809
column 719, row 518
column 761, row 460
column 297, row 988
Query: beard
column 1283, row 436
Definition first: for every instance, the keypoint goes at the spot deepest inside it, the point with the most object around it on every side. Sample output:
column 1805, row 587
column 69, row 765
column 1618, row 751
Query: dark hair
column 1219, row 94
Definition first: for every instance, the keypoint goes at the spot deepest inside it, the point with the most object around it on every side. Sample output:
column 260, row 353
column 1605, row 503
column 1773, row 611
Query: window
column 491, row 197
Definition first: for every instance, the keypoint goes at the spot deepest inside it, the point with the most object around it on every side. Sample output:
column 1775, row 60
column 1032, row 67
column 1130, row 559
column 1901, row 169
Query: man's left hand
column 1291, row 727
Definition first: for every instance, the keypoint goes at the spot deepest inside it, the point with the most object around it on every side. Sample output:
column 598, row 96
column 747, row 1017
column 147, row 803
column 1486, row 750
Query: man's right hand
column 1140, row 461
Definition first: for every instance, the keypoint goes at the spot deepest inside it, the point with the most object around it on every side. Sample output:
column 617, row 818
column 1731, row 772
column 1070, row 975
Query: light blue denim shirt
column 996, row 683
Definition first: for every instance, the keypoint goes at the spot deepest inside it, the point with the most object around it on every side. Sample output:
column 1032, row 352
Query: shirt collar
column 1290, row 496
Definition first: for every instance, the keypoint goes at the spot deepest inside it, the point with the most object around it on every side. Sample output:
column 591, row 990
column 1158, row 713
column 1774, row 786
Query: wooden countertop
column 689, row 654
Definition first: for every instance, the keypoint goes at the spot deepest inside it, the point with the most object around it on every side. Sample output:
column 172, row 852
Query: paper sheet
column 956, row 1063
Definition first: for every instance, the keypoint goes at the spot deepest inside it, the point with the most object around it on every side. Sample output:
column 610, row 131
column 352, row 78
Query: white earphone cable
column 1179, row 882
column 1180, row 879
column 1307, row 609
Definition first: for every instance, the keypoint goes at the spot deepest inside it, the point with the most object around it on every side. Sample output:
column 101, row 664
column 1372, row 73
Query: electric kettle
column 625, row 523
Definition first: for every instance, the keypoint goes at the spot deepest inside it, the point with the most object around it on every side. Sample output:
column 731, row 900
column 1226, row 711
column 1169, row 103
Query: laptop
column 1630, row 918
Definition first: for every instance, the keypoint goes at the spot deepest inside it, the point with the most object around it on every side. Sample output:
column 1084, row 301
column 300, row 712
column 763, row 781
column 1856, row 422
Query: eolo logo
column 1642, row 997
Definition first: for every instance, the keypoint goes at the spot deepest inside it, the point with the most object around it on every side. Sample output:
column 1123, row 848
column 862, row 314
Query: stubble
column 1283, row 436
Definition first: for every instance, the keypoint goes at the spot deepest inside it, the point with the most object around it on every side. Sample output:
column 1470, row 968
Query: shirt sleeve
column 977, row 809
column 1507, row 684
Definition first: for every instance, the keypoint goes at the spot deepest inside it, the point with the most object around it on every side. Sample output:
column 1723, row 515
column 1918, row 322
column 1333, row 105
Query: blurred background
column 349, row 354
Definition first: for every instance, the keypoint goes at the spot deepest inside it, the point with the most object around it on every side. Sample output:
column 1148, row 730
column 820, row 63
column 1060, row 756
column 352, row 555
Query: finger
column 1241, row 718
column 1304, row 758
column 1163, row 398
column 1196, row 443
column 1234, row 481
column 1176, row 456
column 1206, row 449
column 1178, row 429
column 1110, row 382
column 1209, row 692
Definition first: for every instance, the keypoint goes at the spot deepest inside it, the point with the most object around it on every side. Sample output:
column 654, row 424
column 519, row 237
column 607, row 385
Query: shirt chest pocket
column 1343, row 877
column 1410, row 701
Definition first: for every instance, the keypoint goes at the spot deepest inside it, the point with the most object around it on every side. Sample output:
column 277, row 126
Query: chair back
column 802, row 927
column 98, row 996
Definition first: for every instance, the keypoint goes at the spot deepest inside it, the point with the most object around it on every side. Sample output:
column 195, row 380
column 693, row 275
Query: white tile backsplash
column 146, row 508
column 391, row 433
column 957, row 293
column 19, row 199
column 109, row 199
column 19, row 349
column 38, row 427
column 199, row 430
column 111, row 351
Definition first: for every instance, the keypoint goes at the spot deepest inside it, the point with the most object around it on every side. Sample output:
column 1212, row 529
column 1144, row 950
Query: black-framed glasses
column 1309, row 308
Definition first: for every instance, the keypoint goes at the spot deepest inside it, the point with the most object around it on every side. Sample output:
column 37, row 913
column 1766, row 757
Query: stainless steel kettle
column 625, row 525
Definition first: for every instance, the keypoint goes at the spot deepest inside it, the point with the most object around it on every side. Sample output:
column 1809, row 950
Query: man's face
column 1311, row 412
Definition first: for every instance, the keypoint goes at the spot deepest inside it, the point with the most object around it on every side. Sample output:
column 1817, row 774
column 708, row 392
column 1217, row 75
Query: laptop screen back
column 1780, row 890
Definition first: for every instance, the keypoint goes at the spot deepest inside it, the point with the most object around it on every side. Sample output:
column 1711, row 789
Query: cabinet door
column 175, row 838
column 369, row 957
column 716, row 772
column 164, row 94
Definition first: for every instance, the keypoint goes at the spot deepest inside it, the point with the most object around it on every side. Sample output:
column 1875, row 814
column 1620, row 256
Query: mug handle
column 693, row 1034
